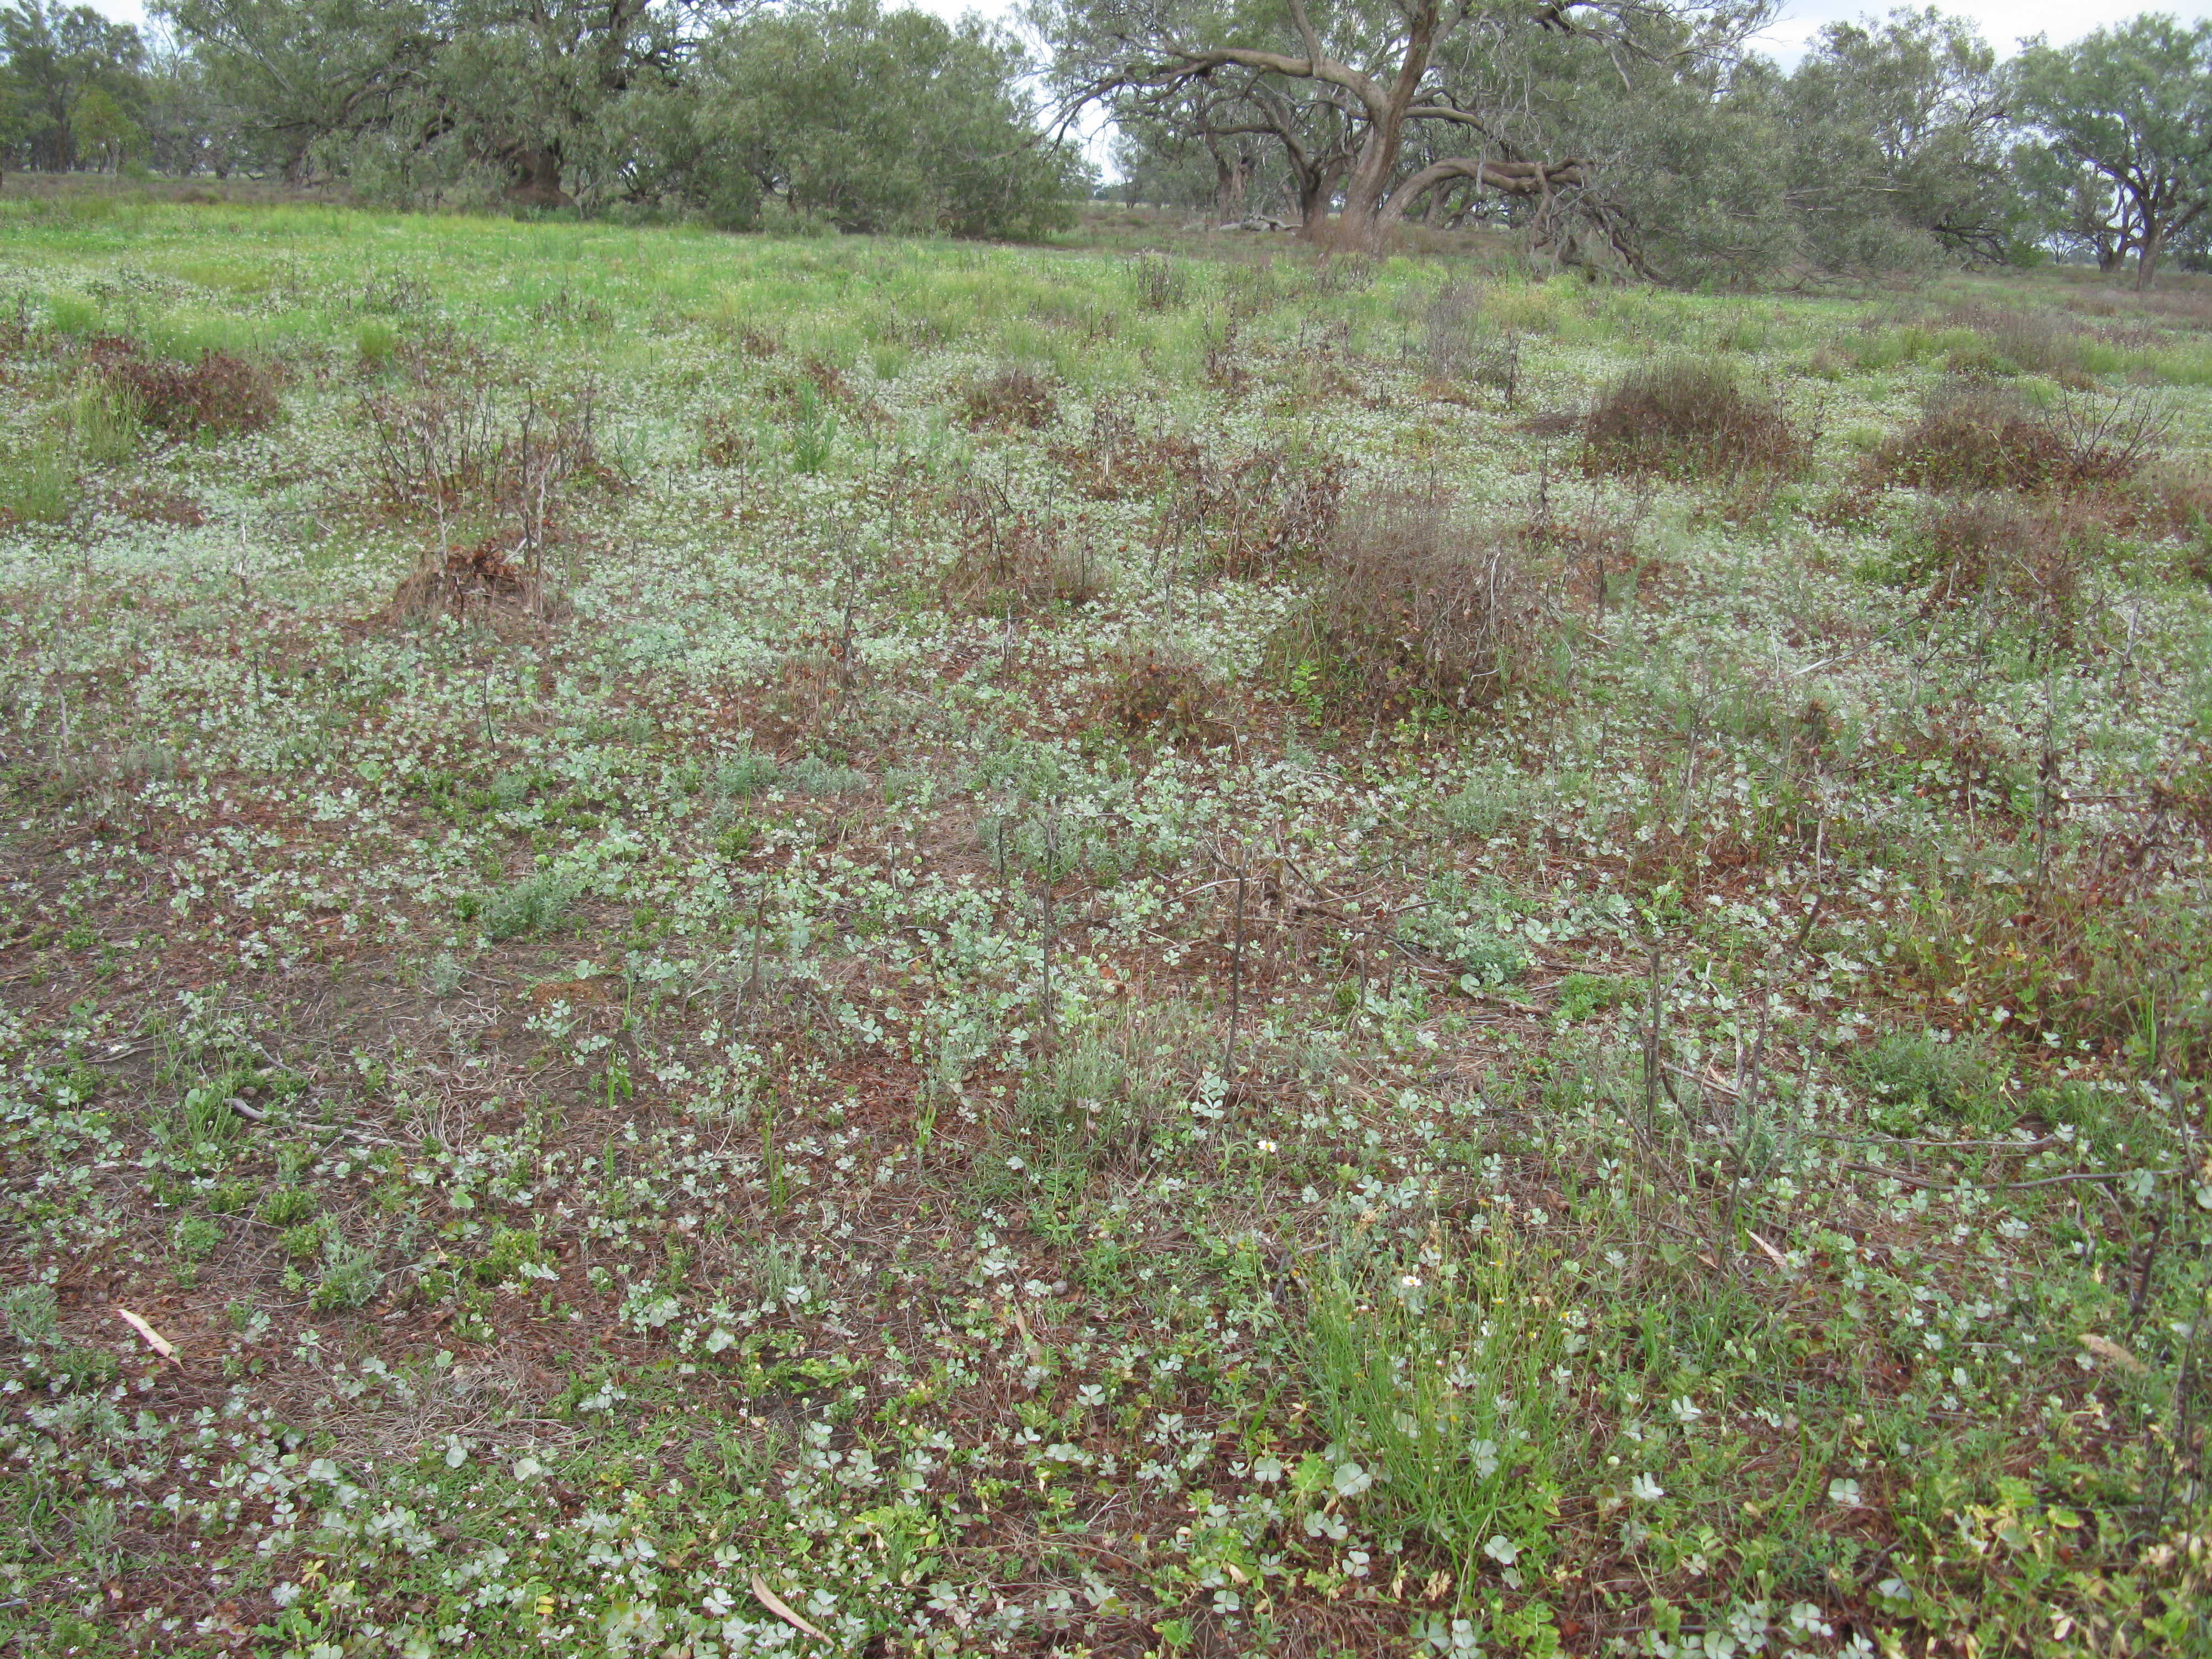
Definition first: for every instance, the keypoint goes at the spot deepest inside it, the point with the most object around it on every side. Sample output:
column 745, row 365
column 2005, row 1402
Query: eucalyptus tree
column 1376, row 103
column 2122, row 121
column 871, row 120
column 1900, row 145
column 52, row 59
column 411, row 97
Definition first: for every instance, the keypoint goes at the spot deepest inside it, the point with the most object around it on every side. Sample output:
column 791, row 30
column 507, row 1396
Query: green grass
column 644, row 1003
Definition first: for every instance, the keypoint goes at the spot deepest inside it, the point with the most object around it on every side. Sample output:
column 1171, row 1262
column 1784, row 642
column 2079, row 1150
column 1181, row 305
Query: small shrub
column 1253, row 517
column 1165, row 692
column 1583, row 995
column 1450, row 331
column 1418, row 599
column 1456, row 927
column 813, row 429
column 505, row 1253
column 1107, row 1092
column 220, row 394
column 1684, row 418
column 810, row 775
column 1998, row 553
column 195, row 1237
column 745, row 773
column 1161, row 283
column 1497, row 800
column 1019, row 557
column 1012, row 398
column 781, row 1277
column 2024, row 338
column 106, row 419
column 1974, row 435
column 487, row 575
column 33, row 1314
column 305, row 1242
column 38, row 487
column 349, row 1278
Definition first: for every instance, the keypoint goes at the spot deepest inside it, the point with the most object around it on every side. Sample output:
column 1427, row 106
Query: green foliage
column 2123, row 117
column 872, row 120
column 286, row 1207
column 349, row 1278
column 1430, row 1374
column 1914, row 1077
column 505, row 1254
column 536, row 904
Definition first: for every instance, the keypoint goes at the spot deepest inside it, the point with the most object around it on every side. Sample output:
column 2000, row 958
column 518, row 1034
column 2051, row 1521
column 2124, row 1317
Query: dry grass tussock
column 490, row 576
column 1419, row 596
column 1013, row 398
column 1683, row 419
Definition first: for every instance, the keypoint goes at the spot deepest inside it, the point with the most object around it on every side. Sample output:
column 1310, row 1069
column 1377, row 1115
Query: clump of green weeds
column 1916, row 1076
column 538, row 903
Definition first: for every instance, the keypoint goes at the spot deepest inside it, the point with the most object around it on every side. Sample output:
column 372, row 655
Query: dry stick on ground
column 1235, row 974
column 1051, row 863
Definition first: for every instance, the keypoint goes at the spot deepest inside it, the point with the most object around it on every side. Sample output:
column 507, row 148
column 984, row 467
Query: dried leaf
column 775, row 1604
column 159, row 1343
column 2112, row 1352
column 1773, row 1255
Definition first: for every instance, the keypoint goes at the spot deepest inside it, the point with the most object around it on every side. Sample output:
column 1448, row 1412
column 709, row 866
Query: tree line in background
column 1643, row 137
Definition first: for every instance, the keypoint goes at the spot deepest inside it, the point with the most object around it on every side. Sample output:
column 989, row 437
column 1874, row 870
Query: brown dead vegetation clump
column 449, row 448
column 1686, row 419
column 1115, row 461
column 1011, row 398
column 221, row 393
column 1259, row 514
column 1973, row 434
column 1016, row 557
column 490, row 575
column 1165, row 692
column 1420, row 598
column 2004, row 556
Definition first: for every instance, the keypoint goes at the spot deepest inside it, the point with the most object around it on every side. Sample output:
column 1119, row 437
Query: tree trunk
column 1315, row 186
column 2154, row 243
column 1369, row 183
column 537, row 179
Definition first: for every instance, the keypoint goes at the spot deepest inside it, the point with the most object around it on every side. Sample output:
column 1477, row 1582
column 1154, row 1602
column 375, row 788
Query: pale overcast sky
column 2004, row 22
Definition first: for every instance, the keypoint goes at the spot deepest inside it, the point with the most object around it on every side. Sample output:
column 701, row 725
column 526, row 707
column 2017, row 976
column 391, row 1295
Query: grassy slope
column 725, row 1069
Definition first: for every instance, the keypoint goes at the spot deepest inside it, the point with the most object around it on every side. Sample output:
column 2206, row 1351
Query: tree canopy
column 1644, row 138
column 2122, row 151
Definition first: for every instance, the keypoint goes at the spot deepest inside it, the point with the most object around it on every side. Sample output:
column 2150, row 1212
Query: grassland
column 1074, row 951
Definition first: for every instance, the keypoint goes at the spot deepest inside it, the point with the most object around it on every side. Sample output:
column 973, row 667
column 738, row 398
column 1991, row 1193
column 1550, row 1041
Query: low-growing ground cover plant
column 744, row 946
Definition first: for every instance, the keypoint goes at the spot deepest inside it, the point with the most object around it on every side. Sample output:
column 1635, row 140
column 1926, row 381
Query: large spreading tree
column 2123, row 120
column 1360, row 93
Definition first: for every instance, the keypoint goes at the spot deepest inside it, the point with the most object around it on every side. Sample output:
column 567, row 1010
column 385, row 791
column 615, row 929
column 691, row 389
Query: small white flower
column 1685, row 1409
column 1845, row 1493
column 1645, row 1490
column 1502, row 1550
column 1351, row 1479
